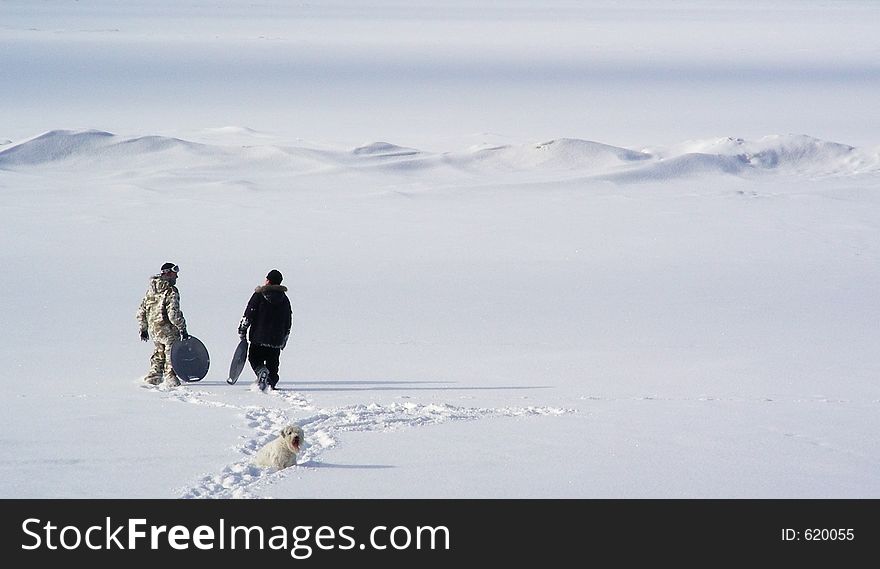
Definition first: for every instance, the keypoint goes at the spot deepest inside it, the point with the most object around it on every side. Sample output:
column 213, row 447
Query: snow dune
column 792, row 154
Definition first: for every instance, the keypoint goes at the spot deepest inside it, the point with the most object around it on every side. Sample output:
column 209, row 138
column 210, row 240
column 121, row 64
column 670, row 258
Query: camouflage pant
column 160, row 362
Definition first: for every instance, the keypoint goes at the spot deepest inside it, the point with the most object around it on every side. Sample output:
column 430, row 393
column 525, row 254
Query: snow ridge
column 561, row 158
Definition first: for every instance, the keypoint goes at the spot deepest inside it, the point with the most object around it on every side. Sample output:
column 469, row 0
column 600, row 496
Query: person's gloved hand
column 144, row 335
column 184, row 335
column 284, row 343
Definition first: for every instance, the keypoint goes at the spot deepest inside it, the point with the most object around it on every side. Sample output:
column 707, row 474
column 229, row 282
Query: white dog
column 281, row 452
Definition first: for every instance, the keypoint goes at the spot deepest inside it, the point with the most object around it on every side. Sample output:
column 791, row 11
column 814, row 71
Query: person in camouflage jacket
column 161, row 319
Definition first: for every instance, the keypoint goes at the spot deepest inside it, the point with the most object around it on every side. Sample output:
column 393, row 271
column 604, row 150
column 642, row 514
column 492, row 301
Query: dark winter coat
column 268, row 317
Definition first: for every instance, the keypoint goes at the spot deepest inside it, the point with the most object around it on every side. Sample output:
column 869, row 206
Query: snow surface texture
column 724, row 281
column 236, row 479
column 641, row 261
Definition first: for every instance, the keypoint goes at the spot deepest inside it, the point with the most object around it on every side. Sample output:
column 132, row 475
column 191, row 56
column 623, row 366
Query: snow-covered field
column 534, row 250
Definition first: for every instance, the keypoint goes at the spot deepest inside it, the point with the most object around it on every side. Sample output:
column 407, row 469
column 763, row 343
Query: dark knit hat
column 274, row 277
column 170, row 268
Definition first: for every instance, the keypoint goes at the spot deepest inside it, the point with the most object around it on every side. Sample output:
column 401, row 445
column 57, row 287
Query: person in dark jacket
column 266, row 325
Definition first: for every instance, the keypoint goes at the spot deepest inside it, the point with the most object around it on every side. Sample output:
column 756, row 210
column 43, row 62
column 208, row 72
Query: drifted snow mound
column 799, row 154
column 806, row 154
column 54, row 146
column 384, row 150
column 60, row 146
column 102, row 151
column 687, row 165
column 386, row 157
column 559, row 154
column 792, row 154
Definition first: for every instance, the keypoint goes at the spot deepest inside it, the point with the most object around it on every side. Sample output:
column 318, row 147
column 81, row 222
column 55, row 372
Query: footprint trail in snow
column 242, row 478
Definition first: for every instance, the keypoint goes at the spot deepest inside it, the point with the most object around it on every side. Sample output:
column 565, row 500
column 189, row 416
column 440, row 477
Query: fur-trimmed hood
column 272, row 293
column 270, row 287
column 268, row 316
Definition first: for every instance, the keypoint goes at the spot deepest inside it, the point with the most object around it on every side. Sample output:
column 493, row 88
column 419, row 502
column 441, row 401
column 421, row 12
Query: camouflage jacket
column 159, row 312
